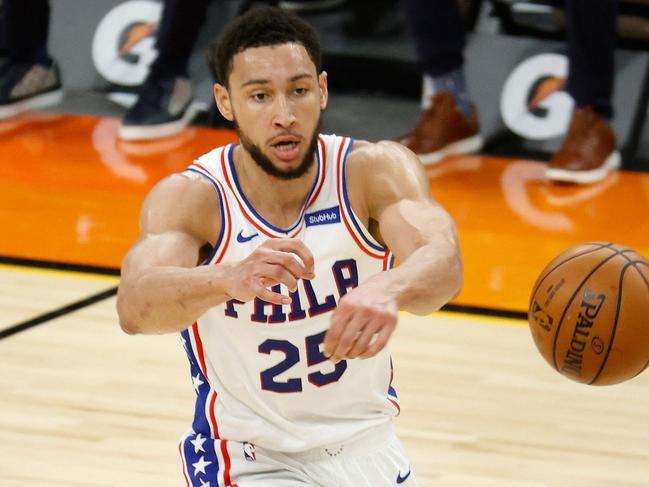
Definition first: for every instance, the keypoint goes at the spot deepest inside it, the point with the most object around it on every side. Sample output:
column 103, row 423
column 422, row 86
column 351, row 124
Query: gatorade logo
column 533, row 103
column 123, row 46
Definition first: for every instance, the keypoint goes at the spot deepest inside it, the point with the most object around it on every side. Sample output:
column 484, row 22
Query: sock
column 603, row 111
column 453, row 82
column 37, row 56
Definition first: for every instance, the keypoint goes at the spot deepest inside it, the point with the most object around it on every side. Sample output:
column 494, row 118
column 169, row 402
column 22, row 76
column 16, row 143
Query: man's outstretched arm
column 394, row 192
column 163, row 289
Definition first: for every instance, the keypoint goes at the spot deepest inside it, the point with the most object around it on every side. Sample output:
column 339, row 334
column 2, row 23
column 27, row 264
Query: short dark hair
column 261, row 26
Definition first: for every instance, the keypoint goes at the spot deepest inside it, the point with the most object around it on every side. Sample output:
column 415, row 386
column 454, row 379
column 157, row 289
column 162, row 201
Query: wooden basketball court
column 83, row 404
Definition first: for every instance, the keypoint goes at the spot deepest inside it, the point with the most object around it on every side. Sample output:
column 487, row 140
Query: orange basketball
column 589, row 313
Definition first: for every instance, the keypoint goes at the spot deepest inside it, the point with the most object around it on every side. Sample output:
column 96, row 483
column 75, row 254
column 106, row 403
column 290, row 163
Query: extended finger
column 379, row 343
column 363, row 341
column 272, row 274
column 268, row 295
column 336, row 327
column 353, row 329
column 298, row 248
column 287, row 261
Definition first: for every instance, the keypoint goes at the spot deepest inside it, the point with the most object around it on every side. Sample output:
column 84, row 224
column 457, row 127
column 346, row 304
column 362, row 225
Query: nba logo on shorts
column 249, row 452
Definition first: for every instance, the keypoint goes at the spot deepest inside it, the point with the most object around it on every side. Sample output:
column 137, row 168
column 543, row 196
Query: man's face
column 275, row 98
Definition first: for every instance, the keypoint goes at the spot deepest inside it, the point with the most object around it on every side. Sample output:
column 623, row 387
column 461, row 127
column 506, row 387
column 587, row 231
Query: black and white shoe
column 163, row 108
column 28, row 86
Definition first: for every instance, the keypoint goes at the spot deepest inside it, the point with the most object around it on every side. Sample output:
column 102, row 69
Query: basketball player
column 286, row 322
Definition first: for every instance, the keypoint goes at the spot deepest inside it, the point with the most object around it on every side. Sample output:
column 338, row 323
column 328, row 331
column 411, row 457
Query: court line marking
column 23, row 269
column 58, row 312
column 486, row 319
column 483, row 311
column 489, row 316
column 53, row 266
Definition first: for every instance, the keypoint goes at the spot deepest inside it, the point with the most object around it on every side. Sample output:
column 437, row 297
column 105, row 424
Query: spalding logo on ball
column 589, row 313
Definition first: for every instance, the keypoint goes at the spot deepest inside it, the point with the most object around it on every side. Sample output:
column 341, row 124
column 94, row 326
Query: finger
column 363, row 341
column 298, row 248
column 288, row 262
column 269, row 296
column 272, row 274
column 379, row 342
column 352, row 331
column 336, row 327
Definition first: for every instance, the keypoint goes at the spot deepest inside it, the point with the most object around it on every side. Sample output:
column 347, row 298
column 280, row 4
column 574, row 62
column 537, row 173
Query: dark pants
column 27, row 25
column 177, row 34
column 439, row 34
column 591, row 45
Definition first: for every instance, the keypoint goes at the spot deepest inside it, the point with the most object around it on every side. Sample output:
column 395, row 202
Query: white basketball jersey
column 258, row 368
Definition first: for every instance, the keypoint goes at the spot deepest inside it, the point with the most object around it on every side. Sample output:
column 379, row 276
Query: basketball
column 589, row 313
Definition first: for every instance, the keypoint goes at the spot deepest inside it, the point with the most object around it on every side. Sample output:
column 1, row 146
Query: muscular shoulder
column 184, row 202
column 383, row 171
column 382, row 152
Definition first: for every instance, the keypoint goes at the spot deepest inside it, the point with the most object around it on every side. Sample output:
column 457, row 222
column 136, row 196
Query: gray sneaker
column 26, row 86
column 163, row 108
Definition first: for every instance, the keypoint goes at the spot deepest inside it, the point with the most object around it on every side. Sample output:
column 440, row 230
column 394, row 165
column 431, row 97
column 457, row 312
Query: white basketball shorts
column 376, row 459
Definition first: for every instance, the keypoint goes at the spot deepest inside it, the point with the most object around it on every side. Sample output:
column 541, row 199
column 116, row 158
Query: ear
column 223, row 102
column 324, row 90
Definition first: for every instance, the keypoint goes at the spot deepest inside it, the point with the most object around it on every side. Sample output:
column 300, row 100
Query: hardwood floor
column 83, row 404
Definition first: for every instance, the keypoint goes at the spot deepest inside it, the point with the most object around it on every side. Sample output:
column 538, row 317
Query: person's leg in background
column 589, row 150
column 448, row 122
column 27, row 28
column 164, row 106
column 29, row 79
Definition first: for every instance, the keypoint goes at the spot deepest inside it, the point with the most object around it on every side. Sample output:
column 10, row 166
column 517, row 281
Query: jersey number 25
column 292, row 356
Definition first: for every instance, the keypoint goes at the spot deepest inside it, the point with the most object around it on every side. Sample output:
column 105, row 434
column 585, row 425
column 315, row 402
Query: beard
column 266, row 164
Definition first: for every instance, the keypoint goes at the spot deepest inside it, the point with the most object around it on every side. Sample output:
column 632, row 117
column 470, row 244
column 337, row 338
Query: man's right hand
column 276, row 261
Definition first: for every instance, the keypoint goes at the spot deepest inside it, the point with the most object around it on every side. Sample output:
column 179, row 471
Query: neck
column 278, row 201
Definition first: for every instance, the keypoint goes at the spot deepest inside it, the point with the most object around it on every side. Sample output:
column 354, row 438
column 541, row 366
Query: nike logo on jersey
column 241, row 238
column 400, row 479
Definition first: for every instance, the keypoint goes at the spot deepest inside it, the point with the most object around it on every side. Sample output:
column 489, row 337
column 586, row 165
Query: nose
column 284, row 115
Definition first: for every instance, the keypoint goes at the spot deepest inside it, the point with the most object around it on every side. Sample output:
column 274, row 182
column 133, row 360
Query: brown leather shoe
column 443, row 130
column 588, row 152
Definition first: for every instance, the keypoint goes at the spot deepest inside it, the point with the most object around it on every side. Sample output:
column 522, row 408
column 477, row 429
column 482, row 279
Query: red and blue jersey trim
column 205, row 461
column 358, row 232
column 213, row 452
column 322, row 172
column 392, row 393
column 183, row 460
column 225, row 232
column 251, row 214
